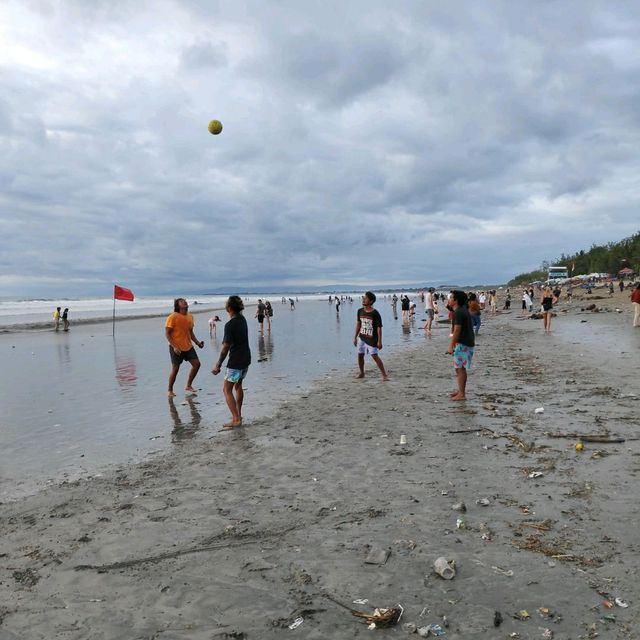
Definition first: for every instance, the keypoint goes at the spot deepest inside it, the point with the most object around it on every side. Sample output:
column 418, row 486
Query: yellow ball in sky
column 215, row 127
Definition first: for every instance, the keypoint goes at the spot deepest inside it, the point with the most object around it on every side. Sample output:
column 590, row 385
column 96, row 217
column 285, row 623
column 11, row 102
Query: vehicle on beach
column 557, row 273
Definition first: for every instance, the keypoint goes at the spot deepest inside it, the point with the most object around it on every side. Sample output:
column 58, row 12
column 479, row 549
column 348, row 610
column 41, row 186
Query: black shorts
column 260, row 319
column 524, row 305
column 184, row 356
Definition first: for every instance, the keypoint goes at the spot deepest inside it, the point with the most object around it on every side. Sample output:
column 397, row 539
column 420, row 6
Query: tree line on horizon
column 607, row 258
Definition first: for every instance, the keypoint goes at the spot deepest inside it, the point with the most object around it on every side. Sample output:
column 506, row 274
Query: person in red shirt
column 635, row 301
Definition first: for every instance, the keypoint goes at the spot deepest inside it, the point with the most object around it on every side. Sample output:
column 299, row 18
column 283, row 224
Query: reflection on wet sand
column 184, row 430
column 64, row 353
column 265, row 347
column 126, row 372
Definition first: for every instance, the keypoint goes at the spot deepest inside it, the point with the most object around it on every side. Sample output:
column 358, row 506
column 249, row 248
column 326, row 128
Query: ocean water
column 71, row 403
column 16, row 313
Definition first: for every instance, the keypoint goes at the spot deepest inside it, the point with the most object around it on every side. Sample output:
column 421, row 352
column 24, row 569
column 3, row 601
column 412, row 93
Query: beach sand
column 238, row 535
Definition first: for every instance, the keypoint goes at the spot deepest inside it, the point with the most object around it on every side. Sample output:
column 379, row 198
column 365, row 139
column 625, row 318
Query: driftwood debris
column 472, row 430
column 380, row 617
column 585, row 437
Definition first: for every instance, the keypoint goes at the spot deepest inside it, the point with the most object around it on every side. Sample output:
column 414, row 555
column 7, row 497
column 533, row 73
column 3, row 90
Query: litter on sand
column 381, row 618
column 296, row 623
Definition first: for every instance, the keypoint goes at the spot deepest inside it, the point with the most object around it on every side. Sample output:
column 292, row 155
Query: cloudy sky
column 364, row 142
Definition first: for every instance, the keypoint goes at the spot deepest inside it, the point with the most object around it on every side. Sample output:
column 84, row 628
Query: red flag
column 120, row 293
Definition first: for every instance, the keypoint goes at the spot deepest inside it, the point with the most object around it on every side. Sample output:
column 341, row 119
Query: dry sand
column 238, row 535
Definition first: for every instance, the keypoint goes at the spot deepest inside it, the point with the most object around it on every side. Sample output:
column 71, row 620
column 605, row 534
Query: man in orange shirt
column 179, row 333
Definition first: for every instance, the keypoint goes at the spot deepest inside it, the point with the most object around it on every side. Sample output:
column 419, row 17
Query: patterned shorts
column 235, row 375
column 462, row 356
column 364, row 348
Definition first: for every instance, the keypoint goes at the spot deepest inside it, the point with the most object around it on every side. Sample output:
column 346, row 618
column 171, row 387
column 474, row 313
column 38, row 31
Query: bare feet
column 232, row 425
column 191, row 390
column 170, row 394
column 454, row 393
column 360, row 375
column 385, row 378
column 458, row 396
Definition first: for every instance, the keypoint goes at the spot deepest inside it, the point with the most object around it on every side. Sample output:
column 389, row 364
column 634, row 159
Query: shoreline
column 47, row 326
column 239, row 535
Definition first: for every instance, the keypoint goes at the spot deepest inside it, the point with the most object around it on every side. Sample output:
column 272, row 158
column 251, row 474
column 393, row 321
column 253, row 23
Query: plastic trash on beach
column 523, row 614
column 434, row 630
column 296, row 623
column 547, row 634
column 446, row 569
column 461, row 524
column 483, row 502
column 504, row 572
column 536, row 474
column 381, row 618
column 377, row 556
column 621, row 603
column 539, row 410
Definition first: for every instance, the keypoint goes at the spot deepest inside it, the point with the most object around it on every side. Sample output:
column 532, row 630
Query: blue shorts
column 235, row 375
column 462, row 356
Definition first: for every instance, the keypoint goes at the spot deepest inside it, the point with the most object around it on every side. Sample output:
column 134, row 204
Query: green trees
column 607, row 258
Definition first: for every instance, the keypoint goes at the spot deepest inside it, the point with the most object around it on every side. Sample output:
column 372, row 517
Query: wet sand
column 102, row 400
column 237, row 536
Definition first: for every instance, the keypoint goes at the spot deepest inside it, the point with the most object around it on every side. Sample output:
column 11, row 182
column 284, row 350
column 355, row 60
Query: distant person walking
column 212, row 325
column 65, row 320
column 292, row 302
column 236, row 344
column 179, row 334
column 428, row 309
column 546, row 300
column 260, row 311
column 268, row 314
column 368, row 334
column 462, row 343
column 526, row 302
column 405, row 305
column 475, row 312
column 635, row 302
column 56, row 319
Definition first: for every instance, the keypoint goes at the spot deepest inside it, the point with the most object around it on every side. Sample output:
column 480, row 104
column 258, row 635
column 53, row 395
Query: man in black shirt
column 462, row 342
column 236, row 344
column 368, row 334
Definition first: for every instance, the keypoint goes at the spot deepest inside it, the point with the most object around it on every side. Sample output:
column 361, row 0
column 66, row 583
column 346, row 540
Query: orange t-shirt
column 181, row 326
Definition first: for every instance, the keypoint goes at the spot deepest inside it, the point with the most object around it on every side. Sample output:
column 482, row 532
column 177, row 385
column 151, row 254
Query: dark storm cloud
column 366, row 142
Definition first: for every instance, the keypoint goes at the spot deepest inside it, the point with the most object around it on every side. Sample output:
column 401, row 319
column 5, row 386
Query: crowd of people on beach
column 464, row 312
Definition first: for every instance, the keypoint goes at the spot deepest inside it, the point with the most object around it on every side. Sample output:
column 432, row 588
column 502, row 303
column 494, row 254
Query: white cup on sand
column 444, row 568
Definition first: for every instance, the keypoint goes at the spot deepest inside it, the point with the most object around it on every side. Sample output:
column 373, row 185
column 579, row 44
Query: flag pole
column 113, row 328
